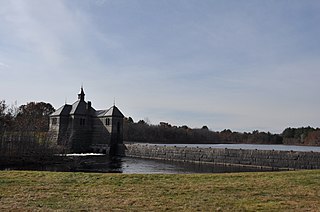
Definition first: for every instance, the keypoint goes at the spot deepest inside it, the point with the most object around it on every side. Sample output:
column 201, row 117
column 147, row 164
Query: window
column 54, row 121
column 107, row 122
column 82, row 122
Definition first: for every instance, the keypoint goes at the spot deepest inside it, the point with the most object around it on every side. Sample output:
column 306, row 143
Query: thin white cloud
column 3, row 65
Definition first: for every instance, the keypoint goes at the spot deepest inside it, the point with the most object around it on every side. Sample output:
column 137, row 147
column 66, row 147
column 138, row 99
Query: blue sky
column 236, row 64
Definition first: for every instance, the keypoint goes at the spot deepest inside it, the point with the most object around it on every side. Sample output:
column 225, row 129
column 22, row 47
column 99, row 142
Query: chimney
column 89, row 105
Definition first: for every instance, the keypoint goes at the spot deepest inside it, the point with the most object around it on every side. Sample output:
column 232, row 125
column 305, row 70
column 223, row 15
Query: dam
column 283, row 157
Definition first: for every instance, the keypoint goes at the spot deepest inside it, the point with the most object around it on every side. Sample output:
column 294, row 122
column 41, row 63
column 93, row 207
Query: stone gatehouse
column 81, row 128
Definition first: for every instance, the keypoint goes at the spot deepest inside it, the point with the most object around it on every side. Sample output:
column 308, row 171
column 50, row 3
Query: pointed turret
column 81, row 94
column 114, row 112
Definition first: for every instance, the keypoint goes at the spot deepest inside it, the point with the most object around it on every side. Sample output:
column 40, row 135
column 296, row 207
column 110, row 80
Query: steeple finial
column 81, row 94
column 114, row 101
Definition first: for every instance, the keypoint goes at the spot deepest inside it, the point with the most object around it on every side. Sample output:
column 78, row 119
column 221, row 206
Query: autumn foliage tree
column 301, row 136
column 34, row 116
column 7, row 115
column 23, row 129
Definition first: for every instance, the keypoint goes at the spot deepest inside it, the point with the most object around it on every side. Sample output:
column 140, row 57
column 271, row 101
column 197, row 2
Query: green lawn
column 274, row 191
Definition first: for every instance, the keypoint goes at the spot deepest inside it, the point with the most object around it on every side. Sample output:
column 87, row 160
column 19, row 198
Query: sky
column 242, row 65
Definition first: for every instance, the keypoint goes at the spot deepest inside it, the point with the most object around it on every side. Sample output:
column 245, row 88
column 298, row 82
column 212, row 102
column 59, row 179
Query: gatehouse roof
column 62, row 111
column 81, row 107
column 112, row 111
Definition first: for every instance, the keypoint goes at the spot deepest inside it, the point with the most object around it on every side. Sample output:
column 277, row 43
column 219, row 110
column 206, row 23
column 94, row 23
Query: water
column 129, row 165
column 247, row 146
column 147, row 166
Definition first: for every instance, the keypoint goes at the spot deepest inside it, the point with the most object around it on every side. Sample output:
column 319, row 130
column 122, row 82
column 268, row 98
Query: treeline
column 301, row 136
column 24, row 130
column 143, row 132
column 166, row 133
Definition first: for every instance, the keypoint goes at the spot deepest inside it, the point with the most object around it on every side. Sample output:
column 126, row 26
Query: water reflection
column 147, row 166
column 104, row 164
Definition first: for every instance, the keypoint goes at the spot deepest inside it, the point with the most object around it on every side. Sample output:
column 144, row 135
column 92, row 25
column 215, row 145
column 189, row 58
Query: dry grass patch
column 286, row 191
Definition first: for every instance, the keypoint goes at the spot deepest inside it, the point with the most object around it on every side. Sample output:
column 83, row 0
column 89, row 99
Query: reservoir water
column 102, row 163
column 129, row 165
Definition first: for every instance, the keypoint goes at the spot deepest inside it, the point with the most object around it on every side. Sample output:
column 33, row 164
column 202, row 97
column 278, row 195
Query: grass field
column 274, row 191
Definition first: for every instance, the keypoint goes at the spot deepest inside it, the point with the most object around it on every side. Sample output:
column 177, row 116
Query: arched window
column 54, row 121
column 82, row 122
column 107, row 121
column 118, row 127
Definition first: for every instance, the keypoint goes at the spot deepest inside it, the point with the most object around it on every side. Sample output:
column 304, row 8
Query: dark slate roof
column 79, row 107
column 100, row 113
column 92, row 111
column 62, row 111
column 113, row 111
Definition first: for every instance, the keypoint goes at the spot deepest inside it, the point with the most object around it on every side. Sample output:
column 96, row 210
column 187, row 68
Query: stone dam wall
column 238, row 157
